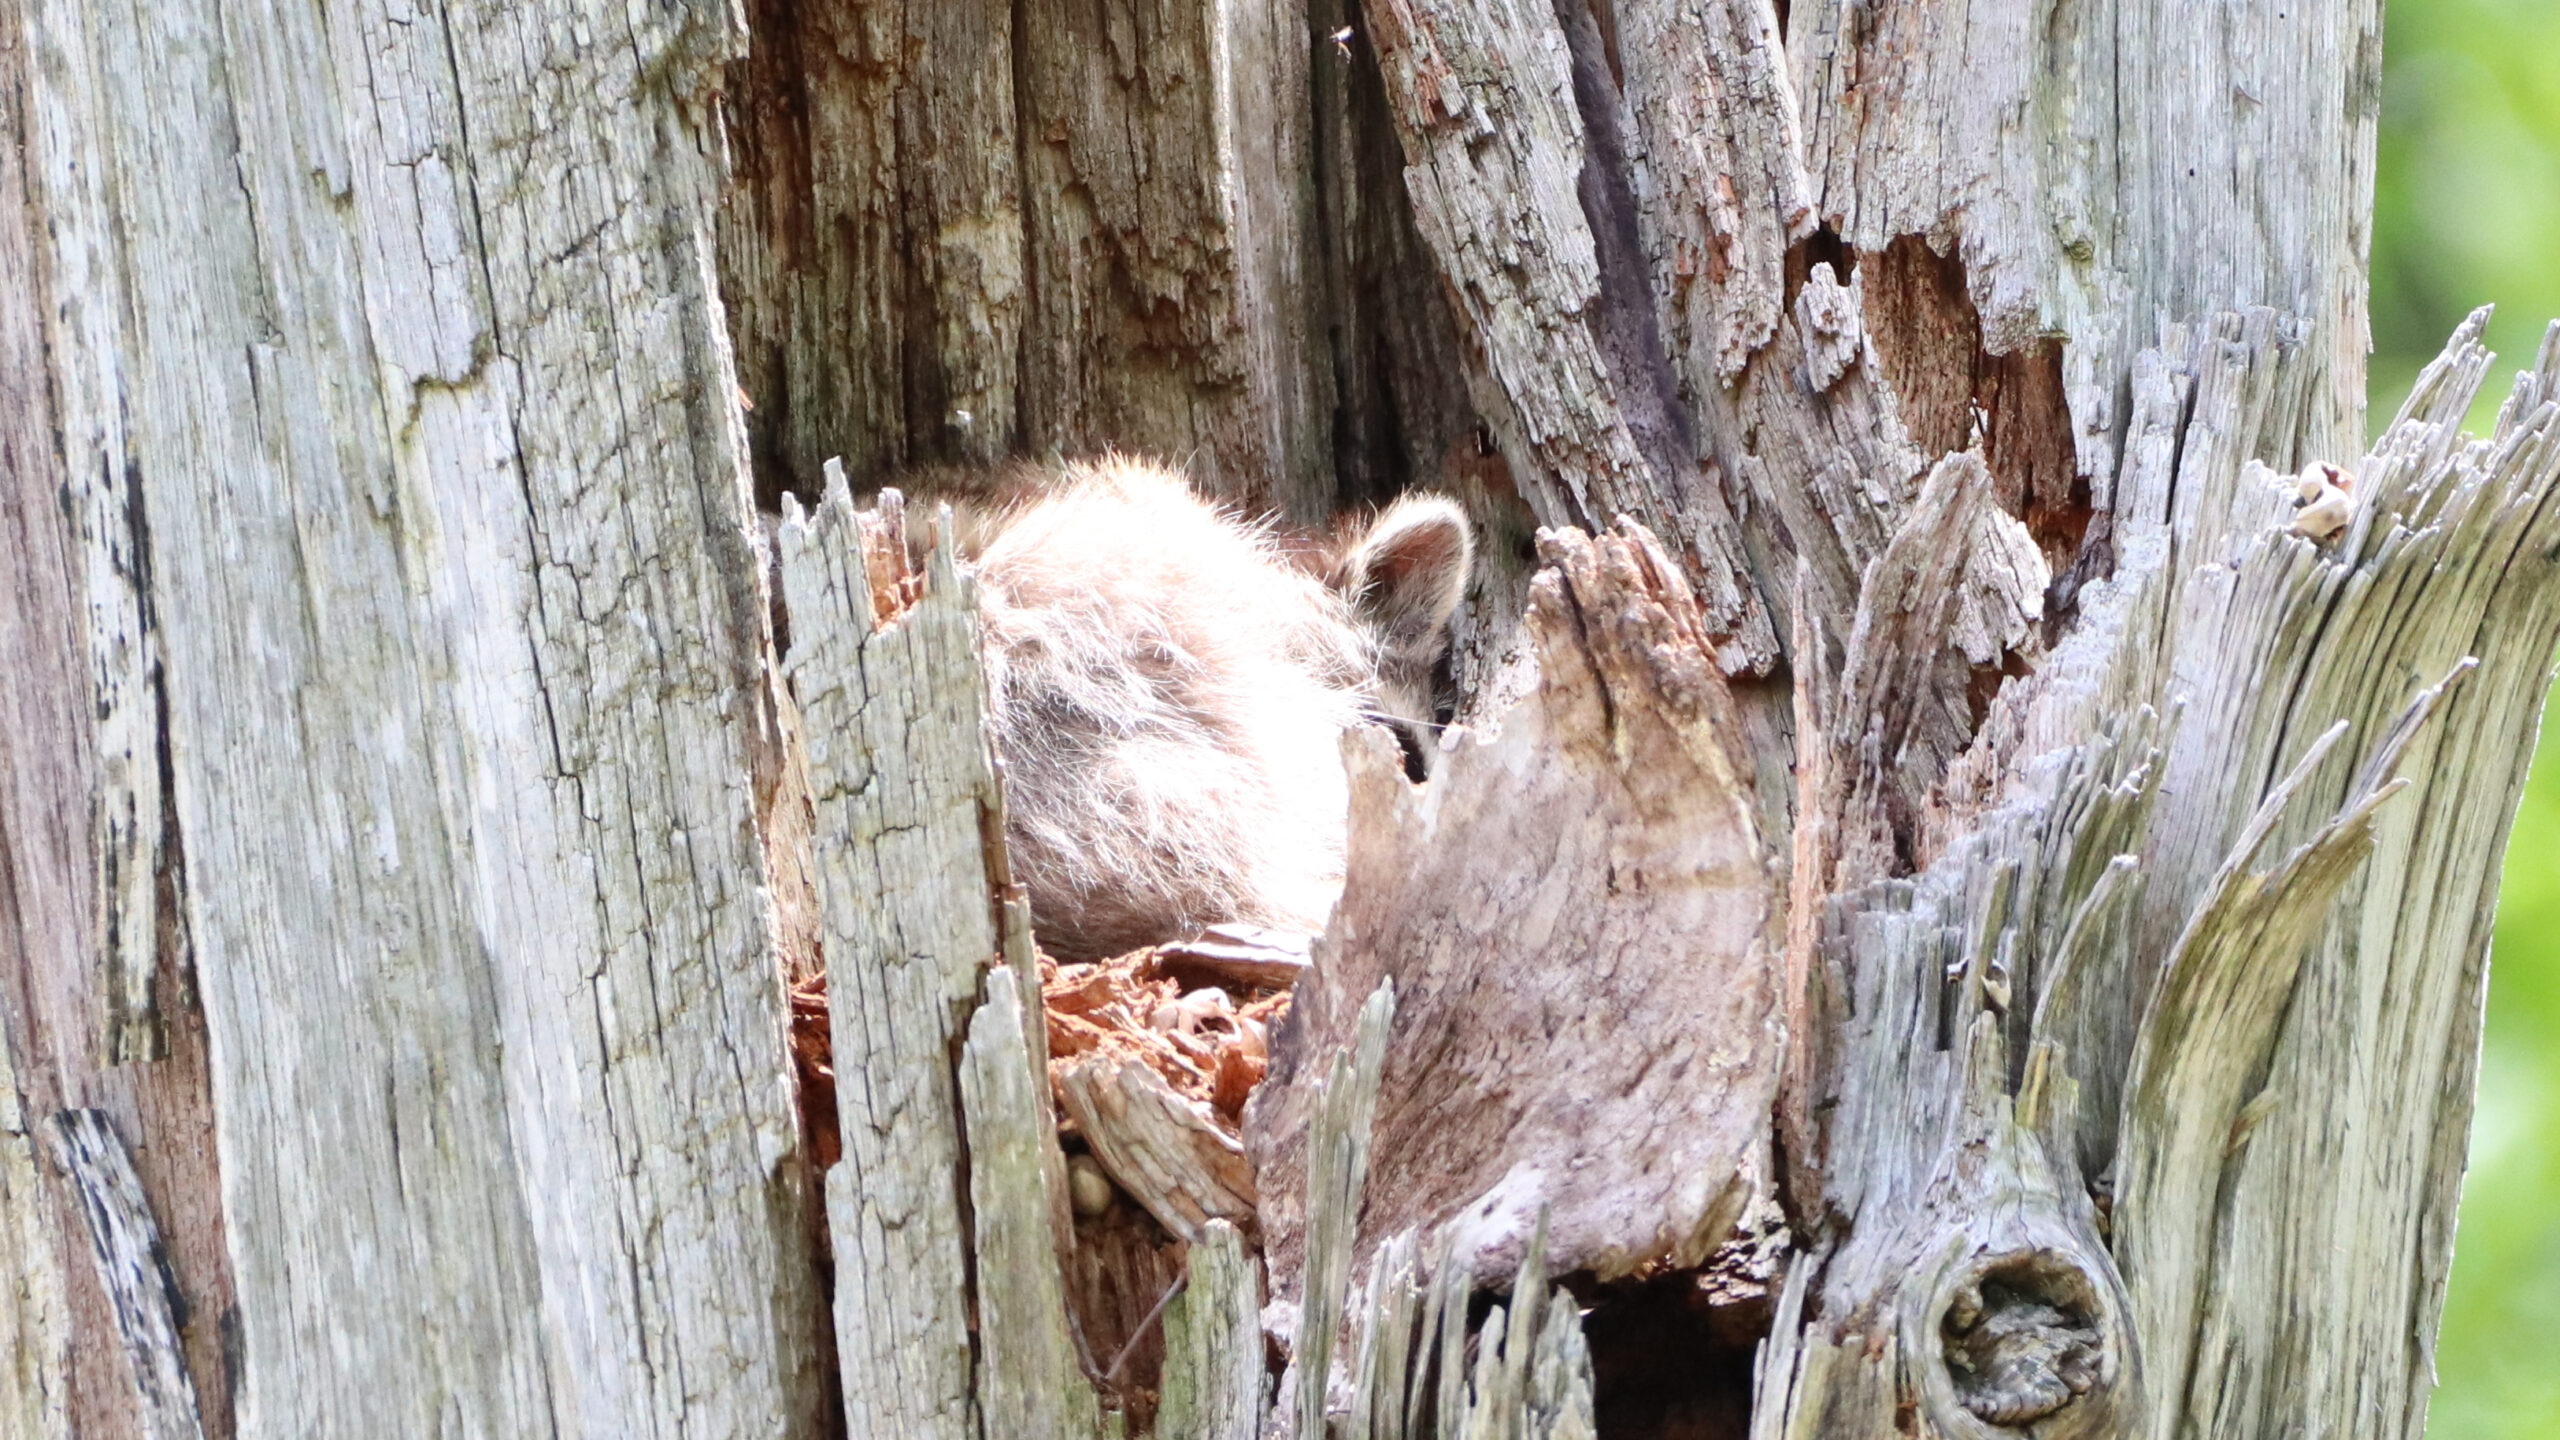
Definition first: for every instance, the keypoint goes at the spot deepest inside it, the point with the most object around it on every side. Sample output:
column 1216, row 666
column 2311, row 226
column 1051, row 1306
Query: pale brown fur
column 1169, row 690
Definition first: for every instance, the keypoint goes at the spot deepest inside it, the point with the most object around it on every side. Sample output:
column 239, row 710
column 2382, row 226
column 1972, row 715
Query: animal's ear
column 1406, row 576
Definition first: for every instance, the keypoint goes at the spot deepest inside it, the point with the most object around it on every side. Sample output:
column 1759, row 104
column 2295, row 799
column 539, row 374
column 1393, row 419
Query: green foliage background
column 2467, row 212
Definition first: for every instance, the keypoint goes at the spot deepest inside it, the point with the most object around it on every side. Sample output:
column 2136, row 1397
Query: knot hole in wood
column 2023, row 1336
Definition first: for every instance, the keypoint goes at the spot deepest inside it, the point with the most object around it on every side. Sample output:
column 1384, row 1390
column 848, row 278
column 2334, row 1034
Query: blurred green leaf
column 2466, row 213
column 2467, row 189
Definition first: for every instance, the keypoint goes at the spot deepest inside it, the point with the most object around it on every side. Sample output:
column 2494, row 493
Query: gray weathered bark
column 1959, row 904
column 382, row 385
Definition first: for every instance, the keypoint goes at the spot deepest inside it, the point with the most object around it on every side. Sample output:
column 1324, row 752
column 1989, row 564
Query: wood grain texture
column 2096, row 167
column 871, row 250
column 1566, row 357
column 980, row 229
column 1167, row 228
column 36, row 1319
column 2449, row 560
column 428, row 413
column 1030, row 1380
column 1159, row 1147
column 1424, row 1366
column 948, row 1212
column 93, row 961
column 125, row 1245
column 1342, row 1107
column 2189, row 936
column 1984, row 821
column 907, row 810
column 44, row 772
column 101, row 481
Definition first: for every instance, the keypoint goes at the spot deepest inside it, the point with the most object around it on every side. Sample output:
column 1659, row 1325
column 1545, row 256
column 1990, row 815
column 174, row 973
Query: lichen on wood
column 1213, row 1382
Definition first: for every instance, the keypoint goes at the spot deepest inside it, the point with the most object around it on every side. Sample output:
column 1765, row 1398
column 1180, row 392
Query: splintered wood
column 1153, row 1055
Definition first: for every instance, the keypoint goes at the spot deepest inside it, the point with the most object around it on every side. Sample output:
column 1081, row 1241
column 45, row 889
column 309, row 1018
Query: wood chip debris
column 1152, row 1056
column 813, row 1056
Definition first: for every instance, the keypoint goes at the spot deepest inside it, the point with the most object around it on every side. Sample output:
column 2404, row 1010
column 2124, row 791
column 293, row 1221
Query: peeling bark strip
column 134, row 1268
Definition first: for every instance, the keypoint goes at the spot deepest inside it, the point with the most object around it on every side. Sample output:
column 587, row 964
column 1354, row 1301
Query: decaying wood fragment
column 978, row 229
column 395, row 334
column 2073, row 1163
column 1521, row 1372
column 1587, row 1000
column 36, row 1324
column 1152, row 1067
column 1248, row 955
column 949, row 1209
column 1184, row 1167
column 373, row 523
column 2130, row 194
column 1957, row 590
column 1565, row 351
column 1336, row 1174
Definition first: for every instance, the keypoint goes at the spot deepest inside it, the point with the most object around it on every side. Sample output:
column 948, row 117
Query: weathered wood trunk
column 379, row 548
column 1960, row 904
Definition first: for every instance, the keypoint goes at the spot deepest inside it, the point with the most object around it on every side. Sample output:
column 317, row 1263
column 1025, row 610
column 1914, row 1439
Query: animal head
column 1169, row 686
column 1404, row 576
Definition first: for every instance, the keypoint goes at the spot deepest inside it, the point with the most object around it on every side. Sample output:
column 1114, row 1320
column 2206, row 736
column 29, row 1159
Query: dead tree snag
column 1961, row 897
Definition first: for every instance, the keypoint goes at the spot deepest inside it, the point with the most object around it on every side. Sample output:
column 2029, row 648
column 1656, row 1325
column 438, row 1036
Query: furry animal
column 1169, row 687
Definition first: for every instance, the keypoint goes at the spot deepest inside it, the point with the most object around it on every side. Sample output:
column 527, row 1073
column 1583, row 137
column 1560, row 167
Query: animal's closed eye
column 1408, row 733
